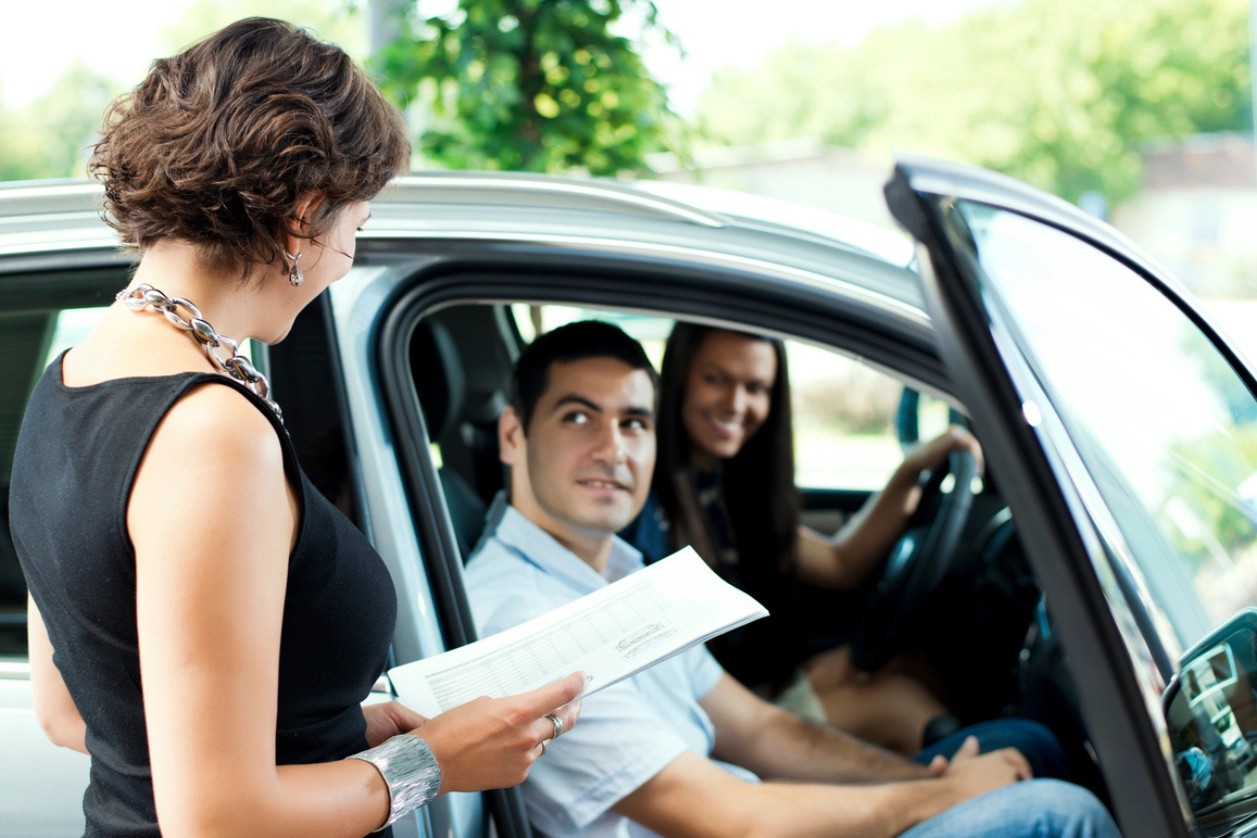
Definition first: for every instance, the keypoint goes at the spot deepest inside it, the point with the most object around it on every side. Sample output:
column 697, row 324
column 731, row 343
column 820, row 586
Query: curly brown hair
column 219, row 143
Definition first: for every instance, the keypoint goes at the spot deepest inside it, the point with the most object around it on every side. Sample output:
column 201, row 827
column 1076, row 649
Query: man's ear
column 510, row 437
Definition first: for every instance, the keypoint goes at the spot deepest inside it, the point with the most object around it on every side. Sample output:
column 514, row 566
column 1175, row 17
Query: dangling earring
column 295, row 276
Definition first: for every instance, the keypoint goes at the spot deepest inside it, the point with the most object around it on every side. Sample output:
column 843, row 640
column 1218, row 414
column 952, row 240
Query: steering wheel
column 917, row 563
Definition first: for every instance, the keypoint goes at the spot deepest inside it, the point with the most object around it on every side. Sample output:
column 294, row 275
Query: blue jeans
column 1041, row 808
column 1034, row 809
column 1036, row 743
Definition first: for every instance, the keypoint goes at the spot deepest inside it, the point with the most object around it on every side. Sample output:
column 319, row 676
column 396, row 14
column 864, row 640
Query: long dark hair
column 759, row 490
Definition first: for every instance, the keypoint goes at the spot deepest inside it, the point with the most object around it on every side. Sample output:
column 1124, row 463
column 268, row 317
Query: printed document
column 610, row 634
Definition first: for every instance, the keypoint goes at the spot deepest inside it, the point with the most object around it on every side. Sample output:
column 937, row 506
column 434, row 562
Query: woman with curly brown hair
column 203, row 622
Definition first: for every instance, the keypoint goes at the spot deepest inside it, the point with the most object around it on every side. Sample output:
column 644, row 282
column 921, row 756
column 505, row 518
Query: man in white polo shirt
column 682, row 748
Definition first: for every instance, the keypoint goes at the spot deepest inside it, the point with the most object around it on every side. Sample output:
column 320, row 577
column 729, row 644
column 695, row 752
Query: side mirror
column 1211, row 714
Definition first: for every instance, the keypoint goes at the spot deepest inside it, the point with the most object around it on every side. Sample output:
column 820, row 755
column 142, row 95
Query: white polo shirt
column 627, row 732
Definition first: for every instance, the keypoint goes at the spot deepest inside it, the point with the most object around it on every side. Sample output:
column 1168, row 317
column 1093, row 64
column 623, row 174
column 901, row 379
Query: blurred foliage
column 533, row 85
column 51, row 136
column 1223, row 521
column 338, row 21
column 1060, row 93
column 1213, row 506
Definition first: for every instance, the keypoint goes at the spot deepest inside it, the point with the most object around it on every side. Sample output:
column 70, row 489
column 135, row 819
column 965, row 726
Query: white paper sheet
column 609, row 635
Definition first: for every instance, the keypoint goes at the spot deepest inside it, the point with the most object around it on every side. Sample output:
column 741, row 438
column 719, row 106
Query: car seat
column 439, row 381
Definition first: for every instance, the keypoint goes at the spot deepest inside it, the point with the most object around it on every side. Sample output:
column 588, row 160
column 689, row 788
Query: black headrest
column 438, row 373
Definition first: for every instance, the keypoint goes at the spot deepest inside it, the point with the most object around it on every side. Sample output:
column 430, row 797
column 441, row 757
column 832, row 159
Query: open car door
column 1123, row 430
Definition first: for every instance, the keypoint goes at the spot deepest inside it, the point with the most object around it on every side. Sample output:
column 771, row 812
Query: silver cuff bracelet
column 409, row 768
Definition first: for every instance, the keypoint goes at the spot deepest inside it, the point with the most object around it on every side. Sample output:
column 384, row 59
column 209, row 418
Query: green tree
column 533, row 85
column 338, row 21
column 21, row 157
column 51, row 136
column 1060, row 93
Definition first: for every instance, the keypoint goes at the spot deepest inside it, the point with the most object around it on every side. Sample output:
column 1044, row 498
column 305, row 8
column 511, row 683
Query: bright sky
column 122, row 37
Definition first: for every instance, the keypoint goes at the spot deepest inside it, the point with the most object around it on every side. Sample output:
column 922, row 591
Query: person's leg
column 798, row 697
column 1034, row 809
column 1036, row 743
column 888, row 708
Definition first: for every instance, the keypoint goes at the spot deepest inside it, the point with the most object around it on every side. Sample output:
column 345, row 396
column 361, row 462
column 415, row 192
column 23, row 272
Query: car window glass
column 933, row 415
column 844, row 430
column 31, row 340
column 72, row 325
column 1166, row 427
column 650, row 330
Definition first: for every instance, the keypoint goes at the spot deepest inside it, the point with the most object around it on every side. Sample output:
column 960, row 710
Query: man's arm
column 692, row 797
column 776, row 744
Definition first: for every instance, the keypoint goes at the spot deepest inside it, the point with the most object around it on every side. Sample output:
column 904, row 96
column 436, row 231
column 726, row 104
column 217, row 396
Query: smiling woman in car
column 725, row 484
column 202, row 621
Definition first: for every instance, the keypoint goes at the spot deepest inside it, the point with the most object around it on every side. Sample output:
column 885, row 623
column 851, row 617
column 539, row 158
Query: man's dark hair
column 573, row 342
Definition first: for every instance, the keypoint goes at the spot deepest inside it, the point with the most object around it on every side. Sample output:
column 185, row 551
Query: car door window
column 31, row 339
column 845, row 437
column 844, row 410
column 650, row 330
column 1165, row 424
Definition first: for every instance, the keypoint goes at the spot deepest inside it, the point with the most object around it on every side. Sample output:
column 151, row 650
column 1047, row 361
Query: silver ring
column 543, row 748
column 558, row 725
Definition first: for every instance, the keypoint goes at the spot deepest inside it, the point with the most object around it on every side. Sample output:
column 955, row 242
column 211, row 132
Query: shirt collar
column 539, row 548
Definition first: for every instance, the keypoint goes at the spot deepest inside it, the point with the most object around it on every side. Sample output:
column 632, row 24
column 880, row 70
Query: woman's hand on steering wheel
column 920, row 559
column 929, row 455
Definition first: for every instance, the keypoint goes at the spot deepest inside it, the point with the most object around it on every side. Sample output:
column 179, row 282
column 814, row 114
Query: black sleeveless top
column 77, row 455
column 764, row 654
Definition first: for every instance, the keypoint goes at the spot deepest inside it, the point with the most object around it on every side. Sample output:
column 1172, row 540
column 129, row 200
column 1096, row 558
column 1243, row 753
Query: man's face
column 582, row 471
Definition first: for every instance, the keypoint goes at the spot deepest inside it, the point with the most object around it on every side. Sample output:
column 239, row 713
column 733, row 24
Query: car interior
column 456, row 360
column 1001, row 659
column 23, row 340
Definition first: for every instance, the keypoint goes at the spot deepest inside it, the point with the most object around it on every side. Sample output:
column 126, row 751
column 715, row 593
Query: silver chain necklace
column 235, row 366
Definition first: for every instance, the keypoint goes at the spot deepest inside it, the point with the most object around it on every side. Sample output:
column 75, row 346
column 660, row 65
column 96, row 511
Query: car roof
column 55, row 224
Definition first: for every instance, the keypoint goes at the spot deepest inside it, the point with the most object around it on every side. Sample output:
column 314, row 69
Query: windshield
column 1166, row 428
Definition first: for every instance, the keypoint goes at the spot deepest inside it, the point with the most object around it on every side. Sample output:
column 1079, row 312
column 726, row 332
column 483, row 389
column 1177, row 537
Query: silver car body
column 729, row 258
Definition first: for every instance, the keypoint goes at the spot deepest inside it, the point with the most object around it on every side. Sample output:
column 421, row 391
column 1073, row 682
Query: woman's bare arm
column 846, row 559
column 213, row 521
column 54, row 708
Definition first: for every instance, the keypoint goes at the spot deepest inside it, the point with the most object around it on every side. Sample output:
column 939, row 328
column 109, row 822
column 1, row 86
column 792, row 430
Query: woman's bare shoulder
column 217, row 436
